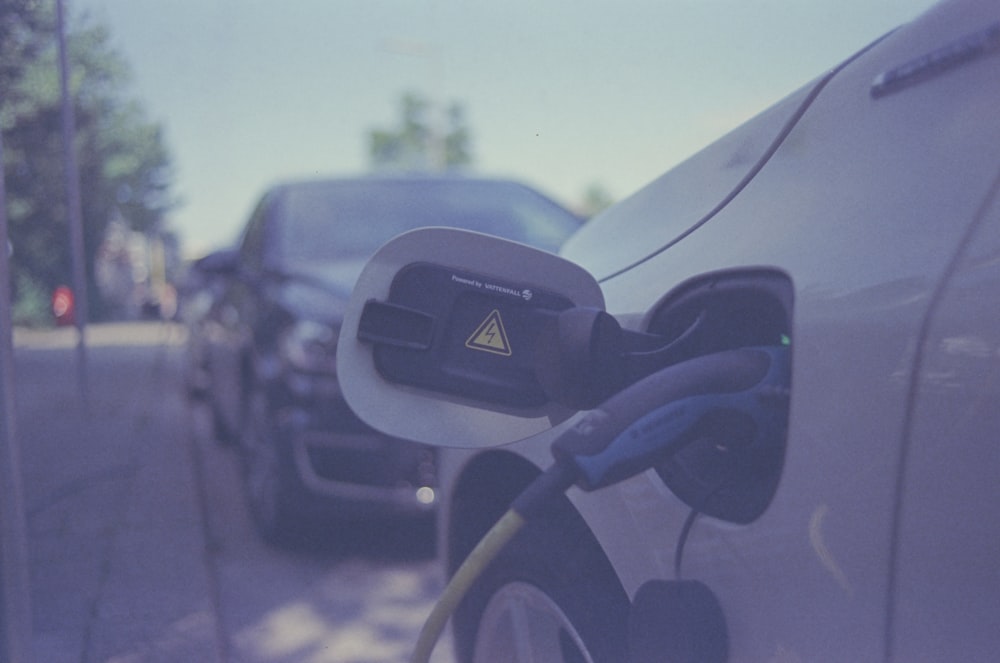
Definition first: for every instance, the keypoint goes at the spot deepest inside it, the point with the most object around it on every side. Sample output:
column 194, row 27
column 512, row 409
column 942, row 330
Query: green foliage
column 420, row 142
column 595, row 200
column 32, row 308
column 22, row 25
column 125, row 169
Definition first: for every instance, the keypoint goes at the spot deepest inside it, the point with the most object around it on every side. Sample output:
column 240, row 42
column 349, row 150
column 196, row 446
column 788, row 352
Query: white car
column 854, row 227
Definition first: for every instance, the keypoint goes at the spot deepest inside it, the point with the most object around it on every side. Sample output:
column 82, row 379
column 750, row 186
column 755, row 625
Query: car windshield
column 337, row 219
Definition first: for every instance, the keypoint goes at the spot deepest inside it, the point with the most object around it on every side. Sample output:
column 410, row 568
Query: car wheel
column 551, row 595
column 273, row 491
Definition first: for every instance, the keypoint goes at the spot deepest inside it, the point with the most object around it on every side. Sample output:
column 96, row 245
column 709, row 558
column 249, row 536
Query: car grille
column 380, row 462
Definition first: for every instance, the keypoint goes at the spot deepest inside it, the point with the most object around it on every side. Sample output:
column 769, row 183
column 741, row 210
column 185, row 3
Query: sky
column 561, row 94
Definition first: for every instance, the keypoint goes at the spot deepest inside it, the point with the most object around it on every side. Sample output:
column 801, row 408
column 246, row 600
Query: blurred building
column 136, row 273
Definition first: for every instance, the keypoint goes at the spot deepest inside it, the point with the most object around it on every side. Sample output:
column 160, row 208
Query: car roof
column 393, row 177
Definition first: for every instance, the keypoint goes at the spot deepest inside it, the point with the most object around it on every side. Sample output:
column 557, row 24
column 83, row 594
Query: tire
column 274, row 494
column 551, row 591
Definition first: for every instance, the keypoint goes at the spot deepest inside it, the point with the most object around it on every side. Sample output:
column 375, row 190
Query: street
column 140, row 545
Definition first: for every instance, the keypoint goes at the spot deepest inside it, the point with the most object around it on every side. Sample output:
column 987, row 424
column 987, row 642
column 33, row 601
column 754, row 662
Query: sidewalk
column 117, row 543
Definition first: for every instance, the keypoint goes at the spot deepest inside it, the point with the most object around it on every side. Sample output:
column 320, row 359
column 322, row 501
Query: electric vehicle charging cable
column 638, row 428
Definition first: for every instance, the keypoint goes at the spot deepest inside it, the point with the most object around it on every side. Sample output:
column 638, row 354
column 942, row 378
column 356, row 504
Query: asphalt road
column 140, row 546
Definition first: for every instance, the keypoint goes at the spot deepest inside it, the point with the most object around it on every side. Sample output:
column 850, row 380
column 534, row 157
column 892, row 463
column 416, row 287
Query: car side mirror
column 439, row 341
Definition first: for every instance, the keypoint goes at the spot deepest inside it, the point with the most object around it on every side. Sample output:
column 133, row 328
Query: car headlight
column 311, row 347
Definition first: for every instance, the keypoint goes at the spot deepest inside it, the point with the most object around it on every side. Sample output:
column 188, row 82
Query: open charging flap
column 439, row 340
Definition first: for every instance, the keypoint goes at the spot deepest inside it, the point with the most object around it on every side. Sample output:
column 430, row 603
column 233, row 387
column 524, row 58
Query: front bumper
column 372, row 473
column 339, row 458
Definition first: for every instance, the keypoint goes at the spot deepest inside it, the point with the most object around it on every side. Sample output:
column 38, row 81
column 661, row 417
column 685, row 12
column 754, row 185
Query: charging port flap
column 439, row 340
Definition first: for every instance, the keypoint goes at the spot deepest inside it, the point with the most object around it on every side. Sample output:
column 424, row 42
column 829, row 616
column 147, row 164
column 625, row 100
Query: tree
column 420, row 143
column 595, row 200
column 125, row 169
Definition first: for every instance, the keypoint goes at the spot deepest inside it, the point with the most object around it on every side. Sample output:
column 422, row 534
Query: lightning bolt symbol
column 490, row 336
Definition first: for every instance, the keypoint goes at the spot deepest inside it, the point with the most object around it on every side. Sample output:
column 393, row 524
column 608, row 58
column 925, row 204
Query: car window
column 254, row 242
column 324, row 220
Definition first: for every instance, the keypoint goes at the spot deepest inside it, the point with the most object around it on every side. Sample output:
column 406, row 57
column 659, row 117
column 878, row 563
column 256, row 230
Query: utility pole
column 75, row 213
column 15, row 593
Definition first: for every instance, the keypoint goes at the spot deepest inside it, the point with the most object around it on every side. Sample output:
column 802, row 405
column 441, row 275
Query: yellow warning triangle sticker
column 490, row 336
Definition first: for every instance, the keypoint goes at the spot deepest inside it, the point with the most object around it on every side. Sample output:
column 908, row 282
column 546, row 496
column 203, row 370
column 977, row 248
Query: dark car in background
column 200, row 288
column 270, row 339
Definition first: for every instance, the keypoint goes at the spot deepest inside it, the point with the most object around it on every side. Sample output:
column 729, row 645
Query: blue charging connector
column 646, row 423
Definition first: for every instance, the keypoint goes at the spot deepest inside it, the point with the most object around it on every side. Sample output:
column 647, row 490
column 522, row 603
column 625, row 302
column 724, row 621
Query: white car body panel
column 881, row 542
column 947, row 575
column 685, row 194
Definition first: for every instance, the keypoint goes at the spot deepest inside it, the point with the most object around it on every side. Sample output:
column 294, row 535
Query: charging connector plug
column 742, row 394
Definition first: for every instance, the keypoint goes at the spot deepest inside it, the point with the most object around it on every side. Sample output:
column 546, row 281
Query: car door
column 946, row 588
column 237, row 316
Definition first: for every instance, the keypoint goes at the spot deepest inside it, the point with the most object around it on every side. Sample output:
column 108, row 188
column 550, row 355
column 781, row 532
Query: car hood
column 320, row 290
column 684, row 197
column 337, row 276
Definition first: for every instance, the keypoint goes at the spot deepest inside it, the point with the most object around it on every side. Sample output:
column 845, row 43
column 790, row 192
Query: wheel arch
column 482, row 492
column 555, row 551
